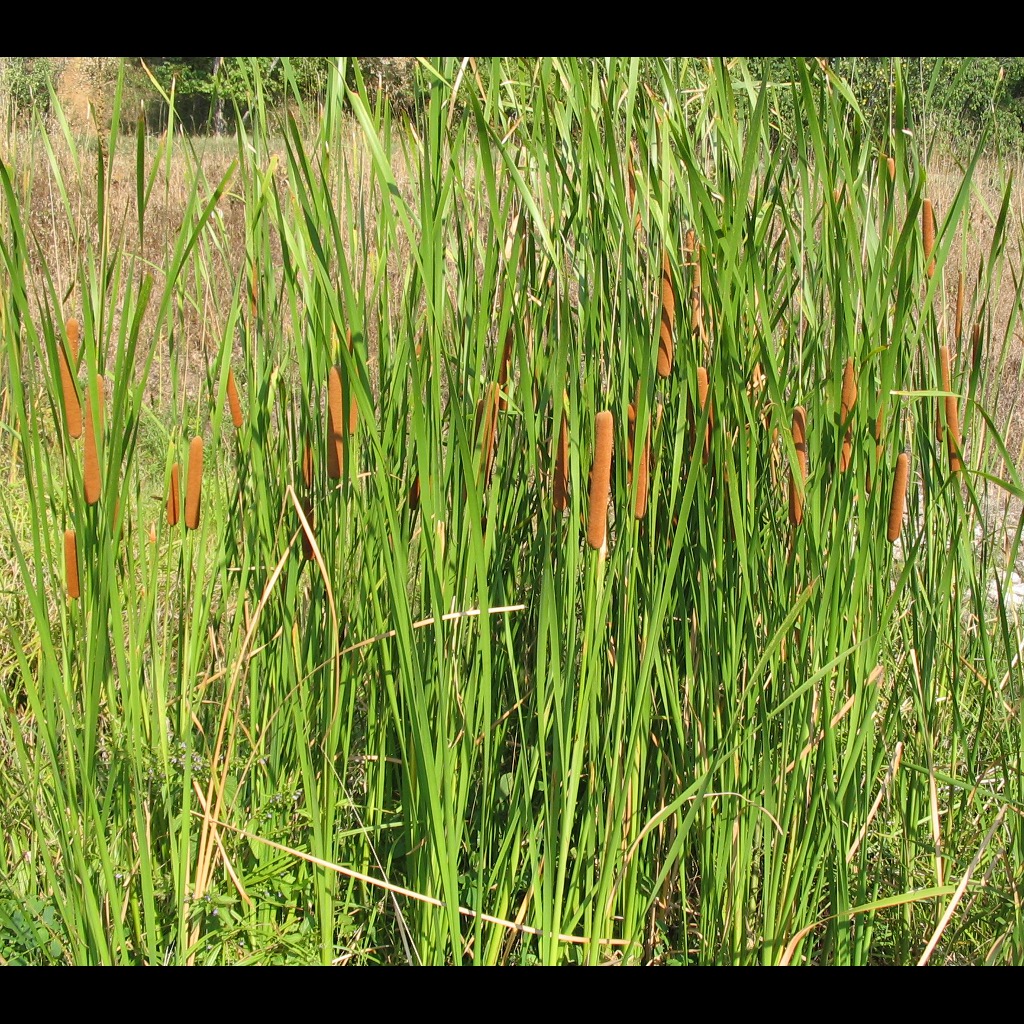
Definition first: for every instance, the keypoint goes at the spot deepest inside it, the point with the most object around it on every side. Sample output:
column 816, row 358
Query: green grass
column 456, row 734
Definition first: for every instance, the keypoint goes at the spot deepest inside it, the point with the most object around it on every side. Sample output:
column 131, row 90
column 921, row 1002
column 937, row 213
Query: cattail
column 335, row 424
column 940, row 405
column 233, row 402
column 928, row 234
column 194, row 490
column 307, row 463
column 174, row 498
column 561, row 482
column 71, row 564
column 600, row 480
column 91, row 471
column 666, row 346
column 953, row 434
column 414, row 494
column 503, row 368
column 796, row 489
column 960, row 307
column 702, row 398
column 72, row 406
column 488, row 411
column 891, row 164
column 846, row 406
column 899, row 497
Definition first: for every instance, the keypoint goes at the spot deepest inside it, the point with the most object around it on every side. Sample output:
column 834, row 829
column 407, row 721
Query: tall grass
column 382, row 702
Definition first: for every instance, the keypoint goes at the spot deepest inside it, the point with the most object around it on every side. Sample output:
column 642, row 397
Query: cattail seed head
column 600, row 481
column 891, row 164
column 899, row 497
column 72, row 406
column 174, row 497
column 414, row 494
column 928, row 234
column 307, row 463
column 489, row 413
column 703, row 388
column 194, row 490
column 848, row 402
column 335, row 424
column 796, row 488
column 233, row 401
column 953, row 434
column 666, row 345
column 71, row 564
column 940, row 405
column 91, row 467
column 561, row 481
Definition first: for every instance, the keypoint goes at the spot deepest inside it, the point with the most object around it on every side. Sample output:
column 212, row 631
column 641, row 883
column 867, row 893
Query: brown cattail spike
column 72, row 406
column 899, row 497
column 696, row 319
column 335, row 424
column 928, row 234
column 891, row 164
column 307, row 463
column 414, row 494
column 940, row 405
column 959, row 307
column 71, row 564
column 600, row 480
column 174, row 497
column 233, row 401
column 561, row 482
column 194, row 490
column 491, row 404
column 91, row 471
column 847, row 403
column 953, row 434
column 666, row 345
column 702, row 398
column 796, row 488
